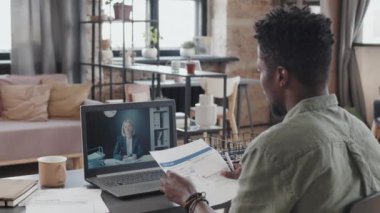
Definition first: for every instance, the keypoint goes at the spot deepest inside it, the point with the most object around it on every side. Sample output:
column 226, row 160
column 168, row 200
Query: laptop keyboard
column 133, row 178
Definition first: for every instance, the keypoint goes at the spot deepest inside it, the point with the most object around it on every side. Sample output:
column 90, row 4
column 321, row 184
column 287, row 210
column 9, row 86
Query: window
column 371, row 24
column 5, row 23
column 315, row 9
column 179, row 21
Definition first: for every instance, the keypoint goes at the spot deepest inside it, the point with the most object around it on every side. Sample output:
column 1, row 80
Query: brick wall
column 231, row 26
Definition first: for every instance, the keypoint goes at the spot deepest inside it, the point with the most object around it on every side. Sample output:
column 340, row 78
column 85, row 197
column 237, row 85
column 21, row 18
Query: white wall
column 369, row 68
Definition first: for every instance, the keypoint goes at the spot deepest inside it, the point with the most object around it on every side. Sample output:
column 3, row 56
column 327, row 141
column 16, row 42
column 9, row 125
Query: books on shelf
column 157, row 120
column 13, row 191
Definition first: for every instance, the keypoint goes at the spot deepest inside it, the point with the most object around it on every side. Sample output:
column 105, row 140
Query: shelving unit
column 160, row 128
column 157, row 70
column 96, row 65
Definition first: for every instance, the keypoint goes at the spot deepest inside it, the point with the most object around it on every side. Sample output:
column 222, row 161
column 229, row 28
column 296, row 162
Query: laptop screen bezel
column 124, row 106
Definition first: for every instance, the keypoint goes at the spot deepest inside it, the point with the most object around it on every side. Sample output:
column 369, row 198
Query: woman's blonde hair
column 123, row 126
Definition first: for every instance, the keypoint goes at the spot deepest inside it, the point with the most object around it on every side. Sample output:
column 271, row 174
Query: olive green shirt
column 319, row 159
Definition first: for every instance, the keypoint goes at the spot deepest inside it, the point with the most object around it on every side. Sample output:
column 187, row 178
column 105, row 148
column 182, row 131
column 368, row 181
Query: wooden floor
column 32, row 168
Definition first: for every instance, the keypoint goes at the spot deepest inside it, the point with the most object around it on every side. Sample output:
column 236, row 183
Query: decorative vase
column 128, row 58
column 206, row 111
column 187, row 52
column 119, row 8
column 107, row 54
column 149, row 52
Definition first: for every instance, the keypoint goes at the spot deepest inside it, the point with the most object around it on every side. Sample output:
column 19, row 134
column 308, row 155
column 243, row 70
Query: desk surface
column 167, row 70
column 202, row 58
column 169, row 83
column 144, row 203
column 155, row 202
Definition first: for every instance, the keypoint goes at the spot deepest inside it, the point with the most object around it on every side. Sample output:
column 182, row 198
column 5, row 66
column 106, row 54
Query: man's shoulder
column 307, row 132
column 283, row 134
column 287, row 140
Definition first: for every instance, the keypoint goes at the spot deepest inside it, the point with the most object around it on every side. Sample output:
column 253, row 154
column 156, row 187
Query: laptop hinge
column 129, row 172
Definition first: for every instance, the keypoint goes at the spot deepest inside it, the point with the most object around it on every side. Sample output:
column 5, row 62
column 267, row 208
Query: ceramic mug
column 52, row 171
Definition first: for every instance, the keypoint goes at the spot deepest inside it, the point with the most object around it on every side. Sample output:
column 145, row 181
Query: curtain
column 350, row 90
column 46, row 37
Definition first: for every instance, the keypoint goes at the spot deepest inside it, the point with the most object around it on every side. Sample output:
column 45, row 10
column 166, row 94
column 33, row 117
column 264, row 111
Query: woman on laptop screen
column 128, row 146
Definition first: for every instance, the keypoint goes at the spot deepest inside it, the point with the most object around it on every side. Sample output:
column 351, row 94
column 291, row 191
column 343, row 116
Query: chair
column 369, row 204
column 376, row 119
column 137, row 92
column 214, row 86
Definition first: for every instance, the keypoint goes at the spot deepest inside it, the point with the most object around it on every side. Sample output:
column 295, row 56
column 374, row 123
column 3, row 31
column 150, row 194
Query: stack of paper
column 13, row 191
column 65, row 200
column 202, row 165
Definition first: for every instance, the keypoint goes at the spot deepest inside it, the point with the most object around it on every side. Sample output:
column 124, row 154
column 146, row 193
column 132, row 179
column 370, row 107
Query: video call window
column 126, row 136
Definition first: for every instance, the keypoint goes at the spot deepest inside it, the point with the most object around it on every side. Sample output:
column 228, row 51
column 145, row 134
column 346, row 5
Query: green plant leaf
column 152, row 36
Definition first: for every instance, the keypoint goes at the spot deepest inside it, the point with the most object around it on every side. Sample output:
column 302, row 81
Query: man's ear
column 282, row 76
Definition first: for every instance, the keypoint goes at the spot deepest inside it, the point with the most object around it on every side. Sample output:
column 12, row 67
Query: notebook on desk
column 117, row 139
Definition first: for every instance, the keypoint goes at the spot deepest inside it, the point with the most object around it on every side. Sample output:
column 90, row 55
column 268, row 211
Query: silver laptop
column 117, row 139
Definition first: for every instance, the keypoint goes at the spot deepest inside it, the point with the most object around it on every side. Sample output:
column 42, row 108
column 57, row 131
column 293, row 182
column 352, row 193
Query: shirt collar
column 311, row 104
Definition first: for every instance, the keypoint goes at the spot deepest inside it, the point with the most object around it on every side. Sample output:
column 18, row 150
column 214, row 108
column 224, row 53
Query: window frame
column 6, row 54
column 201, row 22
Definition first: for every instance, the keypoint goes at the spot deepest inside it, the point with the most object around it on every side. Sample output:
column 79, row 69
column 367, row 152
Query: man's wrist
column 193, row 200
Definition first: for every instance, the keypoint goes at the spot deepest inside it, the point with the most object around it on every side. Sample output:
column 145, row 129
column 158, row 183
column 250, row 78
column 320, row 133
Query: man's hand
column 176, row 188
column 234, row 174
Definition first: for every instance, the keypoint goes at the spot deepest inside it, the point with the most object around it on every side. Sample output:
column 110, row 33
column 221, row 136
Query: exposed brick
column 241, row 16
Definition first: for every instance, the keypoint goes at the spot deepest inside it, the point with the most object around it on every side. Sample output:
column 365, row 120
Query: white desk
column 155, row 202
column 144, row 203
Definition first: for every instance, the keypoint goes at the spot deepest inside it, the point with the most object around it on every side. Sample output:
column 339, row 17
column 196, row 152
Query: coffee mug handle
column 61, row 173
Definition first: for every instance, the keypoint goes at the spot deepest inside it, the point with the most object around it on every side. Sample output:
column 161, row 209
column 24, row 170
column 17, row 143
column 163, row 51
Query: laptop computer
column 117, row 139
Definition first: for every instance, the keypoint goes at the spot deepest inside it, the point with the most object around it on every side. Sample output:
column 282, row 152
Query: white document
column 66, row 200
column 201, row 164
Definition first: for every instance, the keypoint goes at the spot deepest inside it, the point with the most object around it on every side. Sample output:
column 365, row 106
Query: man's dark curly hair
column 297, row 40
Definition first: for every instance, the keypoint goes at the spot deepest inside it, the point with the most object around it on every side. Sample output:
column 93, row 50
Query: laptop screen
column 118, row 137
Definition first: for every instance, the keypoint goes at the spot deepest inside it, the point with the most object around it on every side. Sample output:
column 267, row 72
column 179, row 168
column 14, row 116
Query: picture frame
column 203, row 45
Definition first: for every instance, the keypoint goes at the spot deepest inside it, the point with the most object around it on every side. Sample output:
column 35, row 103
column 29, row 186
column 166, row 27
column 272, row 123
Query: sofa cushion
column 18, row 79
column 25, row 102
column 59, row 78
column 65, row 100
column 28, row 80
column 26, row 140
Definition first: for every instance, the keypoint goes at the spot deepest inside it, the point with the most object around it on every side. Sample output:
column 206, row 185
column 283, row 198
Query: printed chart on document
column 201, row 164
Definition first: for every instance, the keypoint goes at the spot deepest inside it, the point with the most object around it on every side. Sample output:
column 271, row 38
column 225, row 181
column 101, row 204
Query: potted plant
column 121, row 9
column 151, row 40
column 187, row 49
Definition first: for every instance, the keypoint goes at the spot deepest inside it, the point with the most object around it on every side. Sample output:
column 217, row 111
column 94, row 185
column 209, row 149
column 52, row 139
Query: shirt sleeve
column 263, row 185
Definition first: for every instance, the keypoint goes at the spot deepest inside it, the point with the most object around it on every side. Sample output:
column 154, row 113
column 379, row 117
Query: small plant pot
column 187, row 52
column 119, row 8
column 149, row 52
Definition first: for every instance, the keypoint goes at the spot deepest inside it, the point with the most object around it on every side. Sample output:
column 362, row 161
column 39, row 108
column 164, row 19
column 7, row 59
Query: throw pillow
column 17, row 80
column 50, row 81
column 30, row 80
column 59, row 78
column 65, row 100
column 25, row 102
